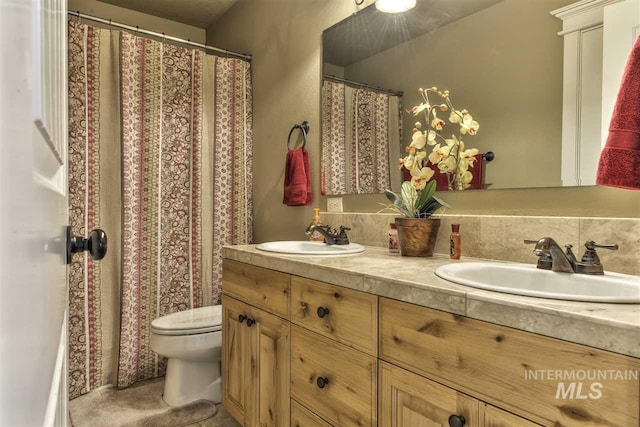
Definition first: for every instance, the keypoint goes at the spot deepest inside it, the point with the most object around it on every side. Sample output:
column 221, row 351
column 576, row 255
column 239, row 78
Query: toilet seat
column 189, row 322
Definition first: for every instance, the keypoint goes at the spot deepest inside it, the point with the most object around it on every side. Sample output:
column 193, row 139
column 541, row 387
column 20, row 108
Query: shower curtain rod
column 163, row 36
column 362, row 85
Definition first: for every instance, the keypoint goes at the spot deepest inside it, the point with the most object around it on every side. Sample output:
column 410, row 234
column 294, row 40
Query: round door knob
column 250, row 322
column 456, row 421
column 322, row 382
column 322, row 311
column 242, row 318
column 96, row 244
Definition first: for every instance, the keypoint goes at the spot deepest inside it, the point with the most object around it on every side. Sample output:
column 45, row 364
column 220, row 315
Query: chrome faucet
column 549, row 250
column 330, row 237
column 551, row 257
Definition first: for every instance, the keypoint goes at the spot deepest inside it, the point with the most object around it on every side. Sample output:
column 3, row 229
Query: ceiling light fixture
column 395, row 6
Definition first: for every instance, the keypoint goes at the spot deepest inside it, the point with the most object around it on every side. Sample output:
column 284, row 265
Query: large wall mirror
column 508, row 62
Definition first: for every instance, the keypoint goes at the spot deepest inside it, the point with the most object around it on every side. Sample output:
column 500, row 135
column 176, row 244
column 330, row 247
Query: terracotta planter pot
column 417, row 236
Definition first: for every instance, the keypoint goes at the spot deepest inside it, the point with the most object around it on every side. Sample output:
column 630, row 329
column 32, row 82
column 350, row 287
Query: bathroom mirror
column 502, row 60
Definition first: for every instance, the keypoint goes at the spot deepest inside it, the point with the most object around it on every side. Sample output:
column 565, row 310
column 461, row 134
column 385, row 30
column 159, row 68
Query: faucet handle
column 530, row 242
column 591, row 246
column 342, row 235
column 590, row 263
column 591, row 257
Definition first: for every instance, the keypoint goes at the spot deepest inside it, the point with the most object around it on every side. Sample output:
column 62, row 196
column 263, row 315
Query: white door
column 33, row 212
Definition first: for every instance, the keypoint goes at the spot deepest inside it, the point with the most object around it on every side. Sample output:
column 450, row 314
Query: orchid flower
column 439, row 153
column 419, row 109
column 418, row 140
column 468, row 125
column 419, row 177
column 431, row 137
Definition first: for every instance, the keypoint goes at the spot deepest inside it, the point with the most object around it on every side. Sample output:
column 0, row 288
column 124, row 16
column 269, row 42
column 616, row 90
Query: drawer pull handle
column 250, row 322
column 456, row 421
column 322, row 382
column 242, row 318
column 322, row 311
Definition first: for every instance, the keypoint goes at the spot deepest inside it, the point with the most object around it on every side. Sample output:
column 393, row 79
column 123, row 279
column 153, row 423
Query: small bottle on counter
column 454, row 242
column 316, row 236
column 393, row 239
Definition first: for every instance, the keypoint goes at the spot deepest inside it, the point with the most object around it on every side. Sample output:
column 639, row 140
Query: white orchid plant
column 448, row 154
column 417, row 199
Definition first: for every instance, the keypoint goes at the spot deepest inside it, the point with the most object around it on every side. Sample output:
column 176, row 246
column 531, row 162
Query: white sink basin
column 525, row 279
column 310, row 248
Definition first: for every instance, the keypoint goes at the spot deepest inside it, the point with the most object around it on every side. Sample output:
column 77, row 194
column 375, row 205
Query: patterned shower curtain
column 160, row 155
column 334, row 160
column 361, row 133
column 370, row 136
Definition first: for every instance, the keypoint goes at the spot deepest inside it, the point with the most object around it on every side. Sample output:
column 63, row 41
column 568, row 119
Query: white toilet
column 192, row 341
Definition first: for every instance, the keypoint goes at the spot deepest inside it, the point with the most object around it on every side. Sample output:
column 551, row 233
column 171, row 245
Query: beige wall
column 509, row 78
column 284, row 37
column 133, row 18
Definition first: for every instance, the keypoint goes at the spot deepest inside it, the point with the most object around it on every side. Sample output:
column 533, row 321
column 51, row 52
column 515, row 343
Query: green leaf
column 431, row 206
column 425, row 195
column 398, row 203
column 409, row 195
column 442, row 202
column 391, row 196
column 430, row 188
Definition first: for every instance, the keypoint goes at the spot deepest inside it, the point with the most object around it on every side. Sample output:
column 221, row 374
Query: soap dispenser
column 316, row 236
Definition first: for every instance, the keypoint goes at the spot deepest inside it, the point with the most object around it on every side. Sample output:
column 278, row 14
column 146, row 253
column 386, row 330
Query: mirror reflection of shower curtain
column 361, row 137
column 160, row 158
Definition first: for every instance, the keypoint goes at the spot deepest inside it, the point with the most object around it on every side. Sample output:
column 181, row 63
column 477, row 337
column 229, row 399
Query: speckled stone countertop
column 612, row 327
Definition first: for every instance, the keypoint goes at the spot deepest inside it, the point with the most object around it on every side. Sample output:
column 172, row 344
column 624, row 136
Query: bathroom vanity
column 375, row 339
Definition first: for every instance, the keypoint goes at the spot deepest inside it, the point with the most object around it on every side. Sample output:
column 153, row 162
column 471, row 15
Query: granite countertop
column 612, row 327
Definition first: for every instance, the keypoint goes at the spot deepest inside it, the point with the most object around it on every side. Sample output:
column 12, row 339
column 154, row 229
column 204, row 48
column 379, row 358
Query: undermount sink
column 310, row 248
column 525, row 279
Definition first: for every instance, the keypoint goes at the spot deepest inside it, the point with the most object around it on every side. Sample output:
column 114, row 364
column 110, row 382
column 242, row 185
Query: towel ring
column 304, row 127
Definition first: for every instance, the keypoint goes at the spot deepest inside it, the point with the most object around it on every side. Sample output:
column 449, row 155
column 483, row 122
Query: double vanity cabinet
column 303, row 353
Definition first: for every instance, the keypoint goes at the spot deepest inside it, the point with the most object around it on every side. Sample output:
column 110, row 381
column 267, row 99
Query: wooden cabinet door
column 236, row 358
column 302, row 417
column 409, row 400
column 269, row 384
column 494, row 417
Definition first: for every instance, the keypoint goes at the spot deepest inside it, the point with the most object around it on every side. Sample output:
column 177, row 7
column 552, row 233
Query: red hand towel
column 305, row 156
column 296, row 182
column 619, row 164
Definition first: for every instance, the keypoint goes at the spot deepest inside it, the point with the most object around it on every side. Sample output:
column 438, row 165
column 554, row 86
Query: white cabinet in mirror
column 503, row 59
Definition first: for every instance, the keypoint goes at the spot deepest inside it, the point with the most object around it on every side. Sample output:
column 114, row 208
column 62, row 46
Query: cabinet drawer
column 260, row 287
column 301, row 417
column 349, row 397
column 348, row 316
column 495, row 417
column 409, row 400
column 499, row 365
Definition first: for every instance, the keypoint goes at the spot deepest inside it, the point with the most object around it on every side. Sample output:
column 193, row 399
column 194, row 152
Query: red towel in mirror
column 619, row 164
column 297, row 178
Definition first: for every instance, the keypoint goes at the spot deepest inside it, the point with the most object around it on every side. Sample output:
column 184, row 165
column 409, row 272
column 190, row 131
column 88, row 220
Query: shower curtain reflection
column 361, row 133
column 160, row 158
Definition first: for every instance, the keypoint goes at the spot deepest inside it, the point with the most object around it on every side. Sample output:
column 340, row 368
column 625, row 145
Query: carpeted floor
column 141, row 405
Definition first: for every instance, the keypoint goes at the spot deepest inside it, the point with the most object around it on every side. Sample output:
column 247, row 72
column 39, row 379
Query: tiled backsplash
column 501, row 237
